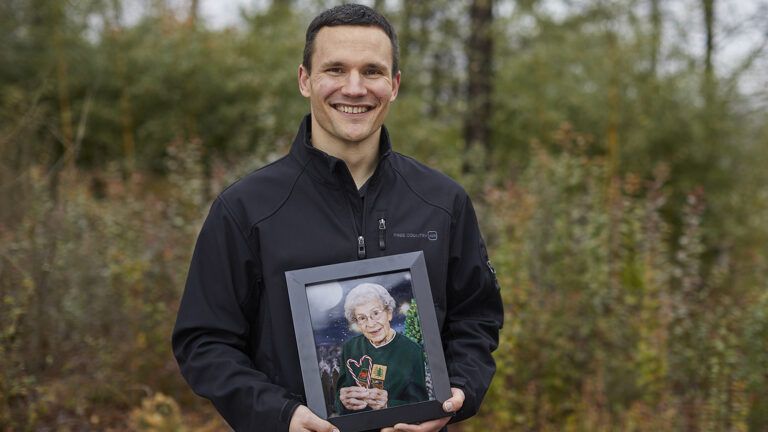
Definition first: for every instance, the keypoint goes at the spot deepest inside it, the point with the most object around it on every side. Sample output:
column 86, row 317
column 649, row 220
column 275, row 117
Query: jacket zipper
column 361, row 236
column 382, row 233
column 361, row 253
column 360, row 247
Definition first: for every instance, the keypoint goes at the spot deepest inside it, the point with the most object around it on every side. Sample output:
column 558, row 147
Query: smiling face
column 373, row 319
column 350, row 86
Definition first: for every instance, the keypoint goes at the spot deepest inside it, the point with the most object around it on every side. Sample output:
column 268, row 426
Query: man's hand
column 304, row 420
column 451, row 405
column 377, row 399
column 353, row 398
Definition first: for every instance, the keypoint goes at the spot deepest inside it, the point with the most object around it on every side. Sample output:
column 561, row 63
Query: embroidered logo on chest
column 429, row 235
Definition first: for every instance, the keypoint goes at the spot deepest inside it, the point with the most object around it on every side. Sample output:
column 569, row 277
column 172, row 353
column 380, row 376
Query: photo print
column 368, row 338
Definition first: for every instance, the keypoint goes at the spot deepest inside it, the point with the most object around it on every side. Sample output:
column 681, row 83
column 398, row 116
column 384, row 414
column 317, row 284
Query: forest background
column 615, row 150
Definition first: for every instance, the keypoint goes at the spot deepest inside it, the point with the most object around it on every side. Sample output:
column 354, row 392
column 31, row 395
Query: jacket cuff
column 286, row 413
column 468, row 409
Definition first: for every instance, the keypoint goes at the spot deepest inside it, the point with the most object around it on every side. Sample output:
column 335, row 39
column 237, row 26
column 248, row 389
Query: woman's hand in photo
column 377, row 399
column 353, row 398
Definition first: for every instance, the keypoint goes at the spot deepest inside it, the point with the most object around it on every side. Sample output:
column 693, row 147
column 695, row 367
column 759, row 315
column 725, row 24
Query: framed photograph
column 368, row 340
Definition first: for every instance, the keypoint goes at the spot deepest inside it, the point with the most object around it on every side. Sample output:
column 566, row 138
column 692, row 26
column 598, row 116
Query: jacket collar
column 329, row 168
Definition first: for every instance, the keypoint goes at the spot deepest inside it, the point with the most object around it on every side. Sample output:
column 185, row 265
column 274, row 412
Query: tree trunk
column 709, row 89
column 194, row 12
column 709, row 23
column 65, row 107
column 614, row 105
column 477, row 130
column 406, row 33
column 436, row 82
column 655, row 36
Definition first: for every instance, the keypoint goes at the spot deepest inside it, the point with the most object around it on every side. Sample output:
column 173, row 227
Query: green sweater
column 397, row 367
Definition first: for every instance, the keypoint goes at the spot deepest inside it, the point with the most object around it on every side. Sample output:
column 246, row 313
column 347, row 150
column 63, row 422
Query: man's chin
column 356, row 136
column 356, row 131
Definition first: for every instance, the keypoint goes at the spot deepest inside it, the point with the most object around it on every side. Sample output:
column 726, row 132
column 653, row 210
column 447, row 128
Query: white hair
column 363, row 294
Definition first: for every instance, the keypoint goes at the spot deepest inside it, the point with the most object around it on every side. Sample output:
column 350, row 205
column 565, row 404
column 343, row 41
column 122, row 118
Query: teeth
column 351, row 109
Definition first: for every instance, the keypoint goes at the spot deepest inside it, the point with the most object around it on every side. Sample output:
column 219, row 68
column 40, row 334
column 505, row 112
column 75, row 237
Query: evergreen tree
column 412, row 323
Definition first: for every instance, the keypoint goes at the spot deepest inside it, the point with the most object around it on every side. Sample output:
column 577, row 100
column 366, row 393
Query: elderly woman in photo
column 380, row 368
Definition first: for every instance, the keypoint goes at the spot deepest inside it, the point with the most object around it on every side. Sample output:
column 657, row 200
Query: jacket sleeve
column 211, row 332
column 474, row 314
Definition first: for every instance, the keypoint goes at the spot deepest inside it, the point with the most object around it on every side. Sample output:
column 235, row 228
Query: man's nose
column 355, row 85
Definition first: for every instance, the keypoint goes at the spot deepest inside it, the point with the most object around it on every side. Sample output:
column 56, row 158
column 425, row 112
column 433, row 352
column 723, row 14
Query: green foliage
column 611, row 316
column 89, row 289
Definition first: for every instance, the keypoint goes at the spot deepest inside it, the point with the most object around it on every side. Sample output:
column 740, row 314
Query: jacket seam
column 234, row 219
column 408, row 183
column 253, row 172
column 247, row 236
column 254, row 255
column 285, row 199
column 319, row 178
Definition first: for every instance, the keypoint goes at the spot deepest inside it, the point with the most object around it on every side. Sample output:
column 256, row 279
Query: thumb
column 305, row 420
column 455, row 402
column 317, row 424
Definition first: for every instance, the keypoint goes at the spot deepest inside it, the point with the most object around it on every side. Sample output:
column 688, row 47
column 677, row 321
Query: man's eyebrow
column 331, row 64
column 377, row 65
column 372, row 65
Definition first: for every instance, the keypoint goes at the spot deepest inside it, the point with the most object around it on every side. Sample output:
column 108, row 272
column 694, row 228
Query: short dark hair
column 349, row 14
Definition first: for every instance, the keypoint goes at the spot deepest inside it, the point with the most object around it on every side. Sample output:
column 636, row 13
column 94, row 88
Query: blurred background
column 616, row 151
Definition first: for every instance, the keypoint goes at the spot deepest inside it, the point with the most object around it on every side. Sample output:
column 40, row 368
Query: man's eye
column 334, row 70
column 373, row 72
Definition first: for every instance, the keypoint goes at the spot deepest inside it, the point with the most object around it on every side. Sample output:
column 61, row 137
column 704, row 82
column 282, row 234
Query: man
column 341, row 194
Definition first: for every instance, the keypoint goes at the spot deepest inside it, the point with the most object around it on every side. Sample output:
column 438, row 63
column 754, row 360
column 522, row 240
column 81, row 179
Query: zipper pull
column 360, row 247
column 382, row 234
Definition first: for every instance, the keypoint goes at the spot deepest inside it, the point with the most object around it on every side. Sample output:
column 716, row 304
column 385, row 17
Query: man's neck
column 361, row 158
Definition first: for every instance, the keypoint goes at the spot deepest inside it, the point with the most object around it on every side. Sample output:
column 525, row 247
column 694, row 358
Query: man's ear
column 304, row 84
column 395, row 86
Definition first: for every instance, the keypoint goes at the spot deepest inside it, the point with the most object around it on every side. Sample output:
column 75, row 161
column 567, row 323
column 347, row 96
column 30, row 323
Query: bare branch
column 81, row 127
column 26, row 117
column 747, row 63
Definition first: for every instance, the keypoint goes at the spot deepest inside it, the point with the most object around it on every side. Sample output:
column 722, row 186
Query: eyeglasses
column 376, row 315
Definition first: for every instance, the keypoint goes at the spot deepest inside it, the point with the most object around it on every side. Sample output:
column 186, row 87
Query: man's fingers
column 428, row 426
column 402, row 427
column 455, row 402
column 304, row 420
column 317, row 424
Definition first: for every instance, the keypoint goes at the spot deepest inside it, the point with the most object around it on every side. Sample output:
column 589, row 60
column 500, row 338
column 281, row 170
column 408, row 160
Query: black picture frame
column 299, row 280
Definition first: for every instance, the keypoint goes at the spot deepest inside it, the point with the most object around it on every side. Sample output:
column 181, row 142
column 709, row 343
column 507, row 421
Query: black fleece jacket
column 234, row 338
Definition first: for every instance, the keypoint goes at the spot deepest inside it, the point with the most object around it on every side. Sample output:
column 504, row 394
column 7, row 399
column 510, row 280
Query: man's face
column 351, row 83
